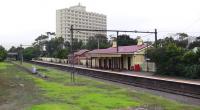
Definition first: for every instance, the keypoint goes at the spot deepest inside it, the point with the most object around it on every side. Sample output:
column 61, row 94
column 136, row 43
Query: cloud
column 22, row 21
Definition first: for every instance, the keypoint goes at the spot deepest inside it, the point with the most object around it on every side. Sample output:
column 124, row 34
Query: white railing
column 55, row 60
column 151, row 66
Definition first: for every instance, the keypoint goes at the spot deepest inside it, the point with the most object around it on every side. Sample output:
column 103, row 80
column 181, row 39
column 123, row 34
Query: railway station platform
column 149, row 75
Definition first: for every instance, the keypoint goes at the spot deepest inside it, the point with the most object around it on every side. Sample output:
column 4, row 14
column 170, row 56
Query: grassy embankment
column 25, row 91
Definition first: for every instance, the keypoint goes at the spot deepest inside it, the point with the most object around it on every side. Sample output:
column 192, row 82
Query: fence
column 55, row 60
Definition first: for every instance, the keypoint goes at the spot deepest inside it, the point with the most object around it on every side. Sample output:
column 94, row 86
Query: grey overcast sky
column 21, row 21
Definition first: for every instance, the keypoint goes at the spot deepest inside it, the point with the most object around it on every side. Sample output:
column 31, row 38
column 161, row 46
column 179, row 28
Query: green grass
column 52, row 106
column 87, row 94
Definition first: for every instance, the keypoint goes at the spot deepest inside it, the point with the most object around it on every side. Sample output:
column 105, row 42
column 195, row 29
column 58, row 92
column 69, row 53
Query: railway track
column 180, row 88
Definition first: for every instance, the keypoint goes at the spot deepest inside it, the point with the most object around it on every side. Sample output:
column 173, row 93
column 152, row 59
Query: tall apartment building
column 80, row 18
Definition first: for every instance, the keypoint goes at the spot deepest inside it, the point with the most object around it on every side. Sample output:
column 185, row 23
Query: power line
column 147, row 35
column 178, row 31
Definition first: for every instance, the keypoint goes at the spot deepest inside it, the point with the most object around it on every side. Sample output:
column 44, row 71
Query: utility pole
column 21, row 54
column 117, row 41
column 98, row 42
column 147, row 59
column 156, row 38
column 72, row 50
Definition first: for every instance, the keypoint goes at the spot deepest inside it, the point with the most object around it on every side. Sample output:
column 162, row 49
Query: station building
column 79, row 57
column 123, row 58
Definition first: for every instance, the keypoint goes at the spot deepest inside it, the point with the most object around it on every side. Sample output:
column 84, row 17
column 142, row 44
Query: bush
column 167, row 59
column 3, row 53
column 190, row 58
column 62, row 54
column 175, row 61
column 192, row 71
column 31, row 52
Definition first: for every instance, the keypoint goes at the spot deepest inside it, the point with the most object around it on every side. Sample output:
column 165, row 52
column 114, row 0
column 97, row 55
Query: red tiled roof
column 121, row 49
column 80, row 52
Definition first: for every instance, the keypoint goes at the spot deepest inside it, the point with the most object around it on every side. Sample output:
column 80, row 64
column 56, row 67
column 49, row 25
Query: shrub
column 31, row 52
column 192, row 71
column 167, row 59
column 3, row 53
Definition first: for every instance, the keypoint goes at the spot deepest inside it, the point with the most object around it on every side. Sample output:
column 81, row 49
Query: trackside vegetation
column 174, row 60
column 3, row 53
column 56, row 92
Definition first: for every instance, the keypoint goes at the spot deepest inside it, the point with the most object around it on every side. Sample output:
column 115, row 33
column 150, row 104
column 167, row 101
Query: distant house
column 79, row 57
column 125, row 58
column 12, row 55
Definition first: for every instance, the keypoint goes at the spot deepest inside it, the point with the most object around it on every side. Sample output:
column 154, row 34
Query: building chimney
column 139, row 41
column 114, row 42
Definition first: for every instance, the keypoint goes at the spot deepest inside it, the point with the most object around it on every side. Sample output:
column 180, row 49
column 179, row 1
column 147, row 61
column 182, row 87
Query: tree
column 167, row 59
column 180, row 43
column 31, row 52
column 41, row 38
column 165, row 42
column 182, row 36
column 50, row 33
column 13, row 49
column 56, row 47
column 77, row 45
column 173, row 60
column 63, row 53
column 191, row 61
column 98, row 39
column 3, row 53
column 194, row 44
column 125, row 40
column 41, row 41
column 190, row 57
